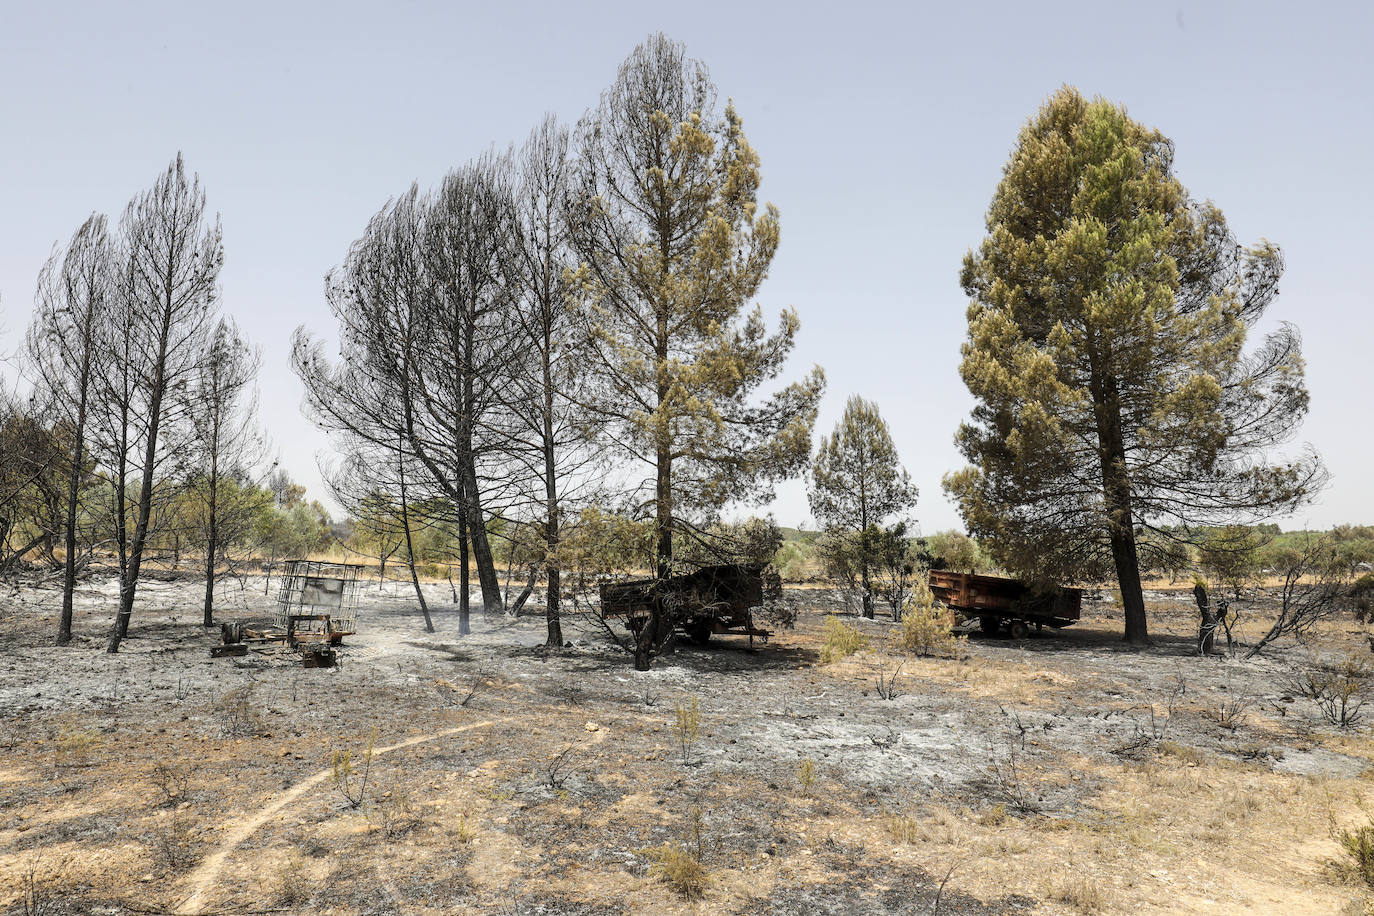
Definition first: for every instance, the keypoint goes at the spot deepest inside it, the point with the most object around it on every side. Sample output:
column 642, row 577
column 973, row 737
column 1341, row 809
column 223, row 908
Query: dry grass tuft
column 1082, row 894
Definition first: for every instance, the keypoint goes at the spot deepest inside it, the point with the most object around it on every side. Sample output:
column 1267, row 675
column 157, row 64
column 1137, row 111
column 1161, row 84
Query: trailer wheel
column 635, row 624
column 1019, row 630
column 990, row 624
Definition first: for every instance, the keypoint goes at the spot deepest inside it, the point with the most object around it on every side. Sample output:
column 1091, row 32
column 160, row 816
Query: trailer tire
column 699, row 631
column 990, row 625
column 1019, row 630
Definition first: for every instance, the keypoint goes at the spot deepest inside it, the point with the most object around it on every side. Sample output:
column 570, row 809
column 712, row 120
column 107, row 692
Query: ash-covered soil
column 1061, row 773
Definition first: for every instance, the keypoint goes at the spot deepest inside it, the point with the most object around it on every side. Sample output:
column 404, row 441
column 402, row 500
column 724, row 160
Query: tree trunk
column 145, row 511
column 867, row 582
column 1116, row 495
column 652, row 634
column 145, row 492
column 1117, row 499
column 410, row 547
column 525, row 592
column 64, row 623
column 552, row 617
column 481, row 547
column 212, row 543
column 1128, row 578
column 464, row 585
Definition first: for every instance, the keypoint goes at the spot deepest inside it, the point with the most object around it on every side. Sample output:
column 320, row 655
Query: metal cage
column 316, row 587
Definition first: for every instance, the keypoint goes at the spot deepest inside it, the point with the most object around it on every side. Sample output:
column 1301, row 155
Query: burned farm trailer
column 714, row 599
column 996, row 602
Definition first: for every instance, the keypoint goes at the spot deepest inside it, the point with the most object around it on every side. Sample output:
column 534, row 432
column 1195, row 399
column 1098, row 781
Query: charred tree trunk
column 144, row 509
column 212, row 538
column 410, row 545
column 487, row 578
column 64, row 623
column 464, row 585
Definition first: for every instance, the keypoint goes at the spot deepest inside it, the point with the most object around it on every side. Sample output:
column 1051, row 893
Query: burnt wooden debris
column 997, row 602
column 711, row 600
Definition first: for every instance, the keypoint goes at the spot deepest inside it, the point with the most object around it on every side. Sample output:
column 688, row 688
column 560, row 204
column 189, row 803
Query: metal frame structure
column 319, row 596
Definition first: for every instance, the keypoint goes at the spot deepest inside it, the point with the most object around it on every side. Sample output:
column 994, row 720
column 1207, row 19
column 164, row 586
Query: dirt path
column 202, row 880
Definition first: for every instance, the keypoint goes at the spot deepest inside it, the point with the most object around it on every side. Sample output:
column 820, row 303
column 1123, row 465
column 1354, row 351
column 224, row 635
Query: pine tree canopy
column 1107, row 352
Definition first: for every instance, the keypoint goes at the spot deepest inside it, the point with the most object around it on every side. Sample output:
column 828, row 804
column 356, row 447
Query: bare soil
column 1063, row 773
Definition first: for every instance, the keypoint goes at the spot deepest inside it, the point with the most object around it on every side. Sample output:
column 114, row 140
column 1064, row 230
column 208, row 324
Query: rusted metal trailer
column 714, row 599
column 996, row 602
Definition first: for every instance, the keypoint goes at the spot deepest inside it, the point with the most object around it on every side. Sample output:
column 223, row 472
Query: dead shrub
column 995, row 816
column 396, row 814
column 173, row 782
column 887, row 683
column 560, row 767
column 841, row 640
column 1230, row 713
column 1338, row 691
column 173, row 841
column 76, row 747
column 463, row 832
column 1184, row 752
column 294, row 887
column 237, row 719
column 806, row 775
column 680, row 869
column 42, row 890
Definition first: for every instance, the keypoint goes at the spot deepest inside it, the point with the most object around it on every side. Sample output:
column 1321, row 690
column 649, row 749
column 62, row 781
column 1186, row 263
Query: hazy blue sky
column 882, row 130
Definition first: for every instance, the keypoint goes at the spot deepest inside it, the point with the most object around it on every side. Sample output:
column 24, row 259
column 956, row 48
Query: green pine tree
column 857, row 482
column 1117, row 405
column 673, row 245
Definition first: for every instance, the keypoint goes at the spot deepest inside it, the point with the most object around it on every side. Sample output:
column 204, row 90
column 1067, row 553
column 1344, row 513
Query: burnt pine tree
column 369, row 401
column 174, row 254
column 427, row 347
column 64, row 349
column 549, row 427
column 467, row 345
column 1117, row 404
column 226, row 443
column 673, row 244
column 857, row 482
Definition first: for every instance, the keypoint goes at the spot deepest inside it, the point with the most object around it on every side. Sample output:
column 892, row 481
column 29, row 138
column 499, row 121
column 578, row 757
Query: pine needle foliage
column 1117, row 403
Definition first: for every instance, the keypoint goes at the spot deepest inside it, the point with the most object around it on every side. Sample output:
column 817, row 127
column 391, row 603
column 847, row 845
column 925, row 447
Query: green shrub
column 1359, row 847
column 1362, row 593
column 927, row 626
column 687, row 727
column 679, row 869
column 806, row 775
column 841, row 640
column 793, row 561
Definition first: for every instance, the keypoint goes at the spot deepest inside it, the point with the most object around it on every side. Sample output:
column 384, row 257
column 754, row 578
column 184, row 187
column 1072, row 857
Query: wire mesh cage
column 316, row 587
